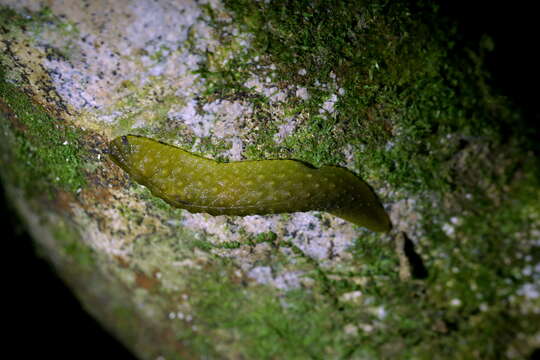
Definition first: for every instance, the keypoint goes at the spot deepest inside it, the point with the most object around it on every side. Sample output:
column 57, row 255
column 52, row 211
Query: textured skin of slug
column 243, row 188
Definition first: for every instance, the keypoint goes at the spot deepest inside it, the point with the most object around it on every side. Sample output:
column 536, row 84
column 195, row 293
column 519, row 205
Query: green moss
column 400, row 73
column 269, row 237
column 160, row 55
column 13, row 19
column 419, row 115
column 41, row 152
column 37, row 22
column 10, row 16
column 256, row 322
column 73, row 248
column 44, row 152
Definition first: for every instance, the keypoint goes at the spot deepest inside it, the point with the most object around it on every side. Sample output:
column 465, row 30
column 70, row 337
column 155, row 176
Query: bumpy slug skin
column 242, row 188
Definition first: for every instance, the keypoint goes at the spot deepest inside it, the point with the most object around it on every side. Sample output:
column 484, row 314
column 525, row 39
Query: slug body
column 243, row 188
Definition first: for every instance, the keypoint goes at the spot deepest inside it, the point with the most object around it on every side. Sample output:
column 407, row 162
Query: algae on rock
column 380, row 88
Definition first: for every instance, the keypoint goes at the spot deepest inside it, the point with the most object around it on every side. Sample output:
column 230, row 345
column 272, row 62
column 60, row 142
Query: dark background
column 514, row 62
column 45, row 317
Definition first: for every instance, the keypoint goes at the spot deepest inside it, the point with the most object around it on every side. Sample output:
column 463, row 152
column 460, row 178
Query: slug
column 261, row 187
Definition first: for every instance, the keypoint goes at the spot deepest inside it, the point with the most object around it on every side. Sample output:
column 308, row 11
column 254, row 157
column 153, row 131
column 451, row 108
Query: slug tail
column 373, row 217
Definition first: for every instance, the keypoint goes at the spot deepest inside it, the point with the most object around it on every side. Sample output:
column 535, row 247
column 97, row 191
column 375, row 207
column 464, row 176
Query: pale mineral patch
column 188, row 115
column 349, row 153
column 223, row 119
column 227, row 116
column 186, row 263
column 287, row 280
column 529, row 290
column 380, row 312
column 261, row 274
column 353, row 297
column 236, row 150
column 257, row 224
column 328, row 105
column 285, row 129
column 255, row 84
column 103, row 55
column 321, row 243
column 448, row 229
column 273, row 93
column 403, row 214
column 105, row 243
column 350, row 330
column 216, row 227
column 302, row 93
column 106, row 52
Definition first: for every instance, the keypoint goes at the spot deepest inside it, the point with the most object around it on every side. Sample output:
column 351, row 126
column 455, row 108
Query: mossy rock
column 385, row 89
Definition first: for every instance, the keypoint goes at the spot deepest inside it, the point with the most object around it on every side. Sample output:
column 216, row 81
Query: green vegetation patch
column 402, row 86
column 40, row 152
column 72, row 247
column 416, row 109
column 260, row 325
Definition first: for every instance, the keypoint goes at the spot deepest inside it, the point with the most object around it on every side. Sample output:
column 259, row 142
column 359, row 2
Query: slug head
column 119, row 150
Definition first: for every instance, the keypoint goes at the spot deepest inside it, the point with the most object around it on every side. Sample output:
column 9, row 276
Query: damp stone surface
column 386, row 91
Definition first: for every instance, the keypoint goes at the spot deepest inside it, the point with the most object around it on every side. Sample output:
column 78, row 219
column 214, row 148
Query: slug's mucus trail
column 244, row 188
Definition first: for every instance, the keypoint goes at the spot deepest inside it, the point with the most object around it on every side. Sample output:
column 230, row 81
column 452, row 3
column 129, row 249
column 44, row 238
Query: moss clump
column 400, row 72
column 260, row 325
column 418, row 113
column 40, row 152
column 72, row 247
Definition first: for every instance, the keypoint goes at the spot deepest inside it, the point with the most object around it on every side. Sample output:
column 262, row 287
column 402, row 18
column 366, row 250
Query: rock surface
column 371, row 88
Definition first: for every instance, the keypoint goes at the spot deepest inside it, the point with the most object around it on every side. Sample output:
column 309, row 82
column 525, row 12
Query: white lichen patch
column 352, row 297
column 326, row 244
column 217, row 229
column 323, row 243
column 285, row 129
column 104, row 243
column 257, row 224
column 448, row 229
column 266, row 88
column 328, row 105
column 189, row 116
column 302, row 93
column 221, row 119
column 228, row 116
column 285, row 281
column 349, row 152
column 404, row 214
column 261, row 274
column 105, row 54
column 530, row 291
column 288, row 280
column 351, row 330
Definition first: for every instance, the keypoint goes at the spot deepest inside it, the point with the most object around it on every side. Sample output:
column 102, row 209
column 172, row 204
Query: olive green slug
column 243, row 188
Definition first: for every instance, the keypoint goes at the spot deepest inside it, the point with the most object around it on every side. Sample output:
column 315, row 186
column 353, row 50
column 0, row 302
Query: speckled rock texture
column 379, row 89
